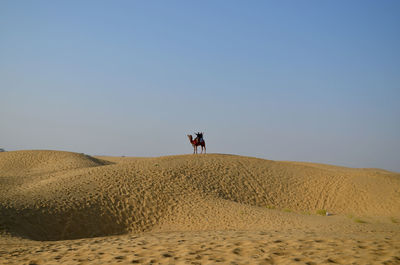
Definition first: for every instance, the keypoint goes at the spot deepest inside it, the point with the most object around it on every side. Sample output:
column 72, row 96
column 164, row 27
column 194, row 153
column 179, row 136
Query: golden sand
column 62, row 207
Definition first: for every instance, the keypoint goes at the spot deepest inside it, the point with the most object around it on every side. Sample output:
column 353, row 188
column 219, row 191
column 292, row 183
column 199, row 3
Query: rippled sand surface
column 62, row 207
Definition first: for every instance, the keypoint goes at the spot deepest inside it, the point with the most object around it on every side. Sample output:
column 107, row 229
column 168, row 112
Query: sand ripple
column 199, row 209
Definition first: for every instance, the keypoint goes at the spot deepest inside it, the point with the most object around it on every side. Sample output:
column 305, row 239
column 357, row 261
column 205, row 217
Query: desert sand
column 70, row 208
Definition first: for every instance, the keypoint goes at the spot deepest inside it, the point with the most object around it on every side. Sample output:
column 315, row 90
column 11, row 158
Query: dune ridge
column 43, row 161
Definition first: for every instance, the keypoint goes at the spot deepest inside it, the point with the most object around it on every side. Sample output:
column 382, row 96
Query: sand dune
column 45, row 161
column 53, row 195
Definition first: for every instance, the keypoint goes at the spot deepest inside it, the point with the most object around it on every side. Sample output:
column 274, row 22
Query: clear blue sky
column 284, row 80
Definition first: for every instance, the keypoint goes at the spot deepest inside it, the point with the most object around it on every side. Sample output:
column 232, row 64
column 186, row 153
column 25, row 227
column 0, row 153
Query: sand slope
column 53, row 195
column 78, row 196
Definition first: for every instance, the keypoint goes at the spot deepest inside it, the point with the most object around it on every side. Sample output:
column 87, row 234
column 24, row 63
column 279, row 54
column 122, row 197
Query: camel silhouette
column 197, row 142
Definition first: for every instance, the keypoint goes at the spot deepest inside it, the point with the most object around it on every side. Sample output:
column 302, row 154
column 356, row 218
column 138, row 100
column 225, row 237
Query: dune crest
column 42, row 161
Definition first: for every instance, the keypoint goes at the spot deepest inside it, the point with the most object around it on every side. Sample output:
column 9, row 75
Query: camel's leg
column 205, row 149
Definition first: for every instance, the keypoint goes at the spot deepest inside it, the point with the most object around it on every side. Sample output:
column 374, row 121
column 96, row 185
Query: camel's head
column 190, row 137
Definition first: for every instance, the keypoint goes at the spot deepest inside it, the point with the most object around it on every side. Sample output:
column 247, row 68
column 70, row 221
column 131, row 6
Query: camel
column 196, row 142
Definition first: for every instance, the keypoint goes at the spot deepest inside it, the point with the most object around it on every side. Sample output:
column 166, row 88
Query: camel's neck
column 191, row 139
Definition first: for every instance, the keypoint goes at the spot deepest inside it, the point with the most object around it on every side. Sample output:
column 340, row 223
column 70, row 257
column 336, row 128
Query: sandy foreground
column 62, row 207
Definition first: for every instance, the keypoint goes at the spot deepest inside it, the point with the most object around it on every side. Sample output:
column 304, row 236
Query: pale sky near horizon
column 314, row 81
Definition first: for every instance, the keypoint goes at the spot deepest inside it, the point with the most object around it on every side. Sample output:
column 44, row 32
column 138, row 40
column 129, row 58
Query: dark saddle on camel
column 199, row 137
